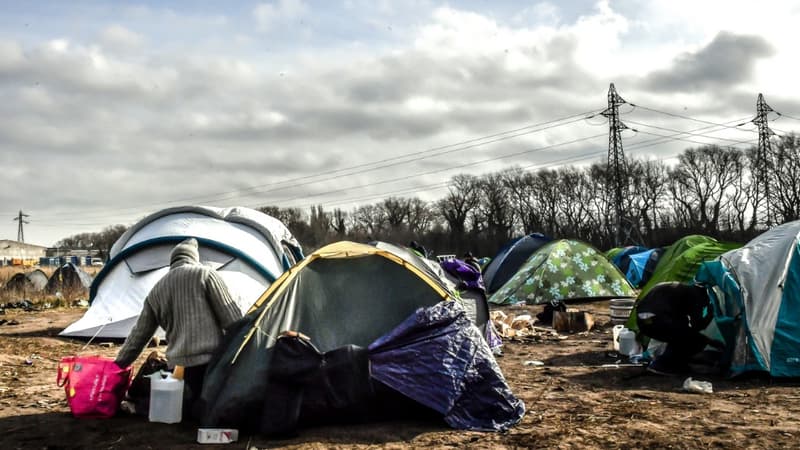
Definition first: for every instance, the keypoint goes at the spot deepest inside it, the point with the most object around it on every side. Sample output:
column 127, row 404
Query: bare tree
column 647, row 191
column 601, row 220
column 285, row 215
column 295, row 221
column 546, row 196
column 496, row 216
column 319, row 226
column 740, row 195
column 699, row 183
column 576, row 192
column 522, row 195
column 420, row 216
column 101, row 241
column 338, row 222
column 395, row 212
column 371, row 220
column 461, row 199
column 786, row 177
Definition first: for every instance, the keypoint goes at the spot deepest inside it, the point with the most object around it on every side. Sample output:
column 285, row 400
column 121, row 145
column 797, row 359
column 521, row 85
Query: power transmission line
column 764, row 159
column 636, row 146
column 439, row 185
column 21, row 219
column 559, row 162
column 285, row 200
column 685, row 132
column 459, row 166
column 689, row 118
column 391, row 162
column 673, row 137
column 786, row 115
column 616, row 157
column 395, row 160
column 751, row 142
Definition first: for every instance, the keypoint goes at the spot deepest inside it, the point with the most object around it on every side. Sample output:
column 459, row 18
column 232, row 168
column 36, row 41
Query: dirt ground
column 572, row 401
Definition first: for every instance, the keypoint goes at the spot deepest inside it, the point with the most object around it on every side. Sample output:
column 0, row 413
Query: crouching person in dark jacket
column 675, row 313
column 193, row 306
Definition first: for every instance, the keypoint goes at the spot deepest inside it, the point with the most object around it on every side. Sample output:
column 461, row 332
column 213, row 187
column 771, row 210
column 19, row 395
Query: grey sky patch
column 728, row 60
column 207, row 107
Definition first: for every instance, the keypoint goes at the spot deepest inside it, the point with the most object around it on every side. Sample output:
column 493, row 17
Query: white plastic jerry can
column 627, row 343
column 615, row 335
column 166, row 399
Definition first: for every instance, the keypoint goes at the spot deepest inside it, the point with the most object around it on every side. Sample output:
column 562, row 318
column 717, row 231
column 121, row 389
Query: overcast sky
column 114, row 110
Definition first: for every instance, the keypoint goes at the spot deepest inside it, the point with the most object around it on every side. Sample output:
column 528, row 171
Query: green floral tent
column 561, row 271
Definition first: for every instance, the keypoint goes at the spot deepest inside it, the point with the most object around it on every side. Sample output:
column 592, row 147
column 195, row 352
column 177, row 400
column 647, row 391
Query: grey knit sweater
column 191, row 303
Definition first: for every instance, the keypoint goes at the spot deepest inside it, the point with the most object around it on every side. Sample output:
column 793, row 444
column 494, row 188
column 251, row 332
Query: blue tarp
column 438, row 358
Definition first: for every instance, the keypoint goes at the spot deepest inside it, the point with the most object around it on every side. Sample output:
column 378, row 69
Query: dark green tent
column 344, row 297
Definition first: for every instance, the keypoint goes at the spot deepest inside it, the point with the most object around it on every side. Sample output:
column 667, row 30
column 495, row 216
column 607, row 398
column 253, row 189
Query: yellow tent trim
column 337, row 250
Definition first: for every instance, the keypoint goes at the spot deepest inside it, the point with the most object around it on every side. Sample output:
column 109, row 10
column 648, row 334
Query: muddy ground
column 572, row 402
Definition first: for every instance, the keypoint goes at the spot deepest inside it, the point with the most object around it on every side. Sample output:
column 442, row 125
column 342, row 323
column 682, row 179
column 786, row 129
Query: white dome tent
column 248, row 248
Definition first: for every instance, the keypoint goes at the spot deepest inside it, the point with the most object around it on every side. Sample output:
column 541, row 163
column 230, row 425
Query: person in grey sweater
column 193, row 306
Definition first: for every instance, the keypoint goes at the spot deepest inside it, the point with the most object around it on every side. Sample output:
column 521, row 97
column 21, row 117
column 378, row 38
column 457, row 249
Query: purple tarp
column 468, row 274
column 438, row 358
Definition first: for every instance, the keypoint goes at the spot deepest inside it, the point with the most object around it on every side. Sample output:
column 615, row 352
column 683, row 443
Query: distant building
column 19, row 253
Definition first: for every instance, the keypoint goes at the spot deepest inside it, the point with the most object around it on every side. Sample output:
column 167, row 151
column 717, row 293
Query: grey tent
column 68, row 277
column 33, row 281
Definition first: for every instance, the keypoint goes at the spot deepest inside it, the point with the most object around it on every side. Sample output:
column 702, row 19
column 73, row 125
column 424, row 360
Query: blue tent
column 510, row 258
column 639, row 267
column 620, row 256
column 755, row 292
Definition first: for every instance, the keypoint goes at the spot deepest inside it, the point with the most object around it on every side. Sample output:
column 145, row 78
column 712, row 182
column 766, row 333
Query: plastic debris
column 533, row 363
column 697, row 386
column 80, row 303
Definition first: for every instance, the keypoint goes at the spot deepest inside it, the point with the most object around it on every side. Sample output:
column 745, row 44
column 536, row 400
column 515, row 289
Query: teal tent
column 755, row 291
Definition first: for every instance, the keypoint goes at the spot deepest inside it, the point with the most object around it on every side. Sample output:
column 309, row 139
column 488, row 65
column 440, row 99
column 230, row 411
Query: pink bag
column 95, row 385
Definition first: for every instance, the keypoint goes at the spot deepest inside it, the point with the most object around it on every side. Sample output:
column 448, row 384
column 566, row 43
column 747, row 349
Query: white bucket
column 166, row 399
column 621, row 309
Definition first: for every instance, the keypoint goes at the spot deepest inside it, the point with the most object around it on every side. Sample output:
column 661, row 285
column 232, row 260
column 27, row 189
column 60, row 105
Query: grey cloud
column 166, row 126
column 725, row 62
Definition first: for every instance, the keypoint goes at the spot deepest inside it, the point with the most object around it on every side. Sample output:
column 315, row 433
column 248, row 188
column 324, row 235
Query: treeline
column 725, row 192
column 101, row 241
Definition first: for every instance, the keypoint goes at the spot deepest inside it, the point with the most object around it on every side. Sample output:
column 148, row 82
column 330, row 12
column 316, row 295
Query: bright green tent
column 681, row 260
column 561, row 271
column 680, row 263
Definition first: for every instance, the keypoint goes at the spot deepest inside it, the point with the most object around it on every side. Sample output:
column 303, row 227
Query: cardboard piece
column 572, row 321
